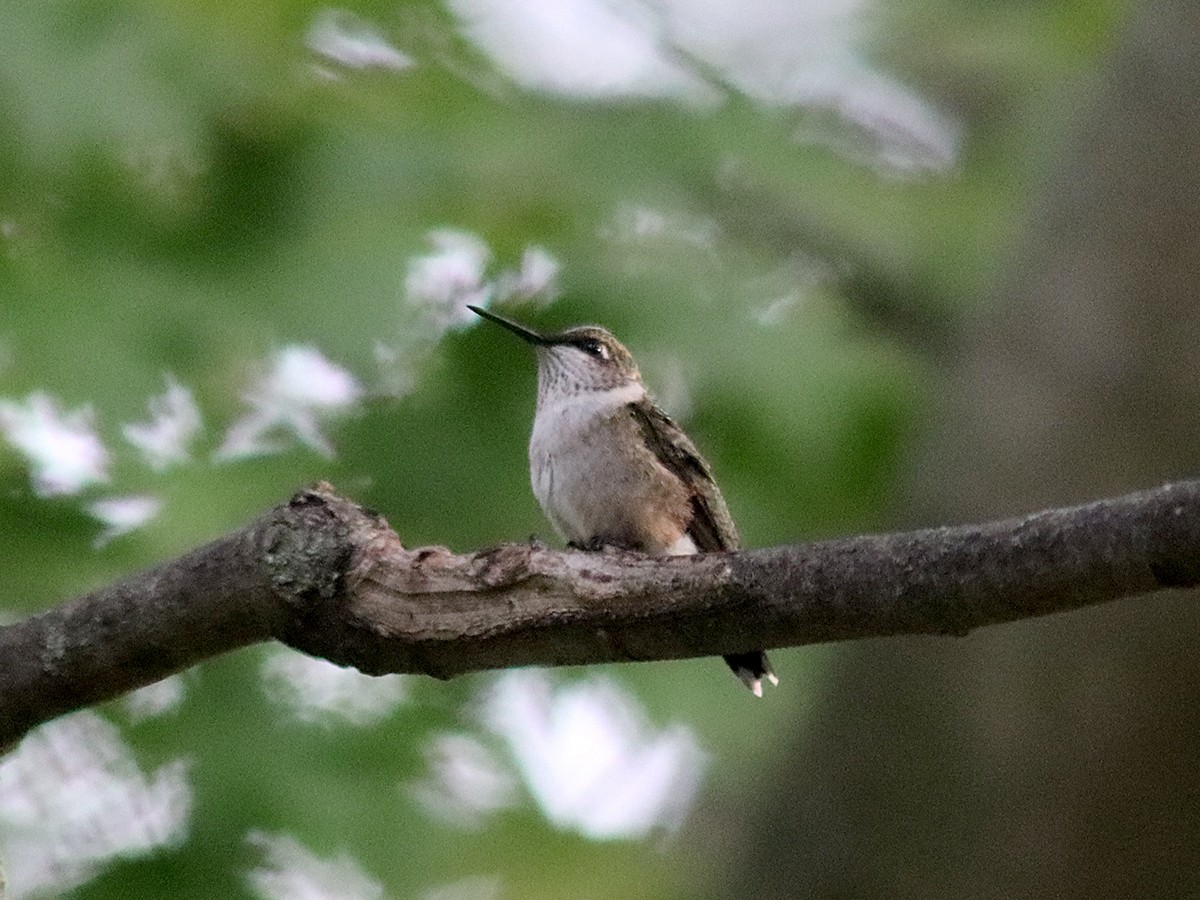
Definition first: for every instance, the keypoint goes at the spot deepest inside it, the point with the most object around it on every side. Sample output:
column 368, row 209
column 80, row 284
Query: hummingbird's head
column 585, row 358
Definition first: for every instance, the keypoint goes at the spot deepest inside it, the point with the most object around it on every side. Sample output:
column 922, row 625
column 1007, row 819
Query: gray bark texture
column 332, row 579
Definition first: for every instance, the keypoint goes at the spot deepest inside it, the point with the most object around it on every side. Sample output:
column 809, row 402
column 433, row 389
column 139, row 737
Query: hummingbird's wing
column 711, row 527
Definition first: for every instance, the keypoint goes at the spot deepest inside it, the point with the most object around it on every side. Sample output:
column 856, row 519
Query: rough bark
column 330, row 578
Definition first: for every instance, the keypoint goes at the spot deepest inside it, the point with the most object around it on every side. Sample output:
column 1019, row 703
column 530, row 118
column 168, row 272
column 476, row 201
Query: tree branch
column 330, row 578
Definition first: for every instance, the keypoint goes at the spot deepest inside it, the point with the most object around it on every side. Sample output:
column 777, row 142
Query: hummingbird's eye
column 593, row 347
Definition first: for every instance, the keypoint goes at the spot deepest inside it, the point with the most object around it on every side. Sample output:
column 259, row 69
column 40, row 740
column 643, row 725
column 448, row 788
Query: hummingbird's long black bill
column 525, row 334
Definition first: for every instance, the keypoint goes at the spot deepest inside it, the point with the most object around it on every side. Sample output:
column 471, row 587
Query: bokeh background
column 891, row 264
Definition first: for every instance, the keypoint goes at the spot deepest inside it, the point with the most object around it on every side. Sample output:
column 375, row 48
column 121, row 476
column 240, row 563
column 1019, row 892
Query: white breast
column 567, row 457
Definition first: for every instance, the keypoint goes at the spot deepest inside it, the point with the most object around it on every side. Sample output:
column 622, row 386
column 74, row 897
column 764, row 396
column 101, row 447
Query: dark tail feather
column 752, row 668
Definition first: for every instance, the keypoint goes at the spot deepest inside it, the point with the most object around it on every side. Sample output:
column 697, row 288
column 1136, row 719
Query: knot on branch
column 312, row 545
column 306, row 549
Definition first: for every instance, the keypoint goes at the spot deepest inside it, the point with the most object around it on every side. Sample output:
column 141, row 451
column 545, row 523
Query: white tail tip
column 750, row 680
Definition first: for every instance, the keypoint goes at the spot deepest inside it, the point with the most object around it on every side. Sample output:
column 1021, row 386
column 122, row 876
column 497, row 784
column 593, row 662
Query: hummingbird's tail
column 752, row 668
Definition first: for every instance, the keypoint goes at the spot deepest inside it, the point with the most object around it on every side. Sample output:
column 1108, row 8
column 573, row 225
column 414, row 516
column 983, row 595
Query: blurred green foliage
column 188, row 187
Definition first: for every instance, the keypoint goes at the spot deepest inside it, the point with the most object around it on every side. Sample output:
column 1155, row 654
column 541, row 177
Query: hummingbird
column 610, row 469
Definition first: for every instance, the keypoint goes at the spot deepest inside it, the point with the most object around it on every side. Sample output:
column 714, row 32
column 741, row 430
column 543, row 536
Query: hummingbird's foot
column 595, row 545
column 536, row 543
